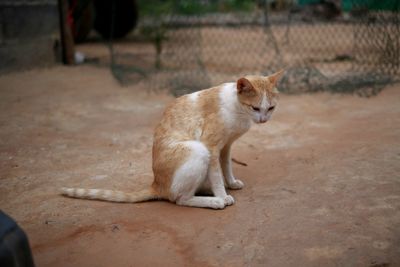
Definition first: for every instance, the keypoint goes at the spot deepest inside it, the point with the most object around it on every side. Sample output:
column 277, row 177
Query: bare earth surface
column 322, row 185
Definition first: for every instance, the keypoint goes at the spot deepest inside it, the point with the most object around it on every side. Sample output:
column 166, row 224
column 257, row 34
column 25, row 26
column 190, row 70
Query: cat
column 192, row 144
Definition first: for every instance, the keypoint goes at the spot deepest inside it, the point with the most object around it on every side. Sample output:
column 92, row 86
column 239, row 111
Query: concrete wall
column 29, row 34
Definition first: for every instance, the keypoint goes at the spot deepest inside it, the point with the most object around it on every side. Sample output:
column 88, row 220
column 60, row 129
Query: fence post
column 67, row 41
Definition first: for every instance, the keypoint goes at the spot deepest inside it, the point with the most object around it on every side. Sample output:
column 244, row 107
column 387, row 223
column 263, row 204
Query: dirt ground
column 322, row 185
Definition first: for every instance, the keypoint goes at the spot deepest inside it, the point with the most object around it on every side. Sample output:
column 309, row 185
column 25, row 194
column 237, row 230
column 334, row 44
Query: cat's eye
column 271, row 108
column 255, row 108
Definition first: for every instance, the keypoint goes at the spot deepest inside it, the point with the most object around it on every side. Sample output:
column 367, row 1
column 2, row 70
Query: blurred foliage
column 193, row 7
column 155, row 7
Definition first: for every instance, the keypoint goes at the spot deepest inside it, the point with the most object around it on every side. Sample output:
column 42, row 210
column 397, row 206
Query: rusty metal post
column 67, row 40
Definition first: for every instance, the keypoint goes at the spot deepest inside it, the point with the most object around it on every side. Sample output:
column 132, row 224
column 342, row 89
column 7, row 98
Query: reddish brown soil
column 322, row 185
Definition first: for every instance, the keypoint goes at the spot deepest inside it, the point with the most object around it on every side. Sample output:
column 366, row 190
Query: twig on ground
column 239, row 162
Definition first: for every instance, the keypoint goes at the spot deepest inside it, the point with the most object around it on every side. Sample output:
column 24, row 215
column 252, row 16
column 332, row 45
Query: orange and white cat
column 192, row 144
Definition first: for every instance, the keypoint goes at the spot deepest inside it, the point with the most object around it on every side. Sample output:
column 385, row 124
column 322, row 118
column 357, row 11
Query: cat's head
column 258, row 95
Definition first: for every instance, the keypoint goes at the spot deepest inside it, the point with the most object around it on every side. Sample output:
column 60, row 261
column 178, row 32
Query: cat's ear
column 244, row 86
column 274, row 78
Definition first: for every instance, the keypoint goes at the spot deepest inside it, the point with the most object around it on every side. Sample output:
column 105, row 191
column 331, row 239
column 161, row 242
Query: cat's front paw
column 229, row 200
column 217, row 203
column 236, row 184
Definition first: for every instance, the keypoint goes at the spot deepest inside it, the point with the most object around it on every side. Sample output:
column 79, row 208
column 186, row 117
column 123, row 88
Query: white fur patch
column 191, row 174
column 107, row 194
column 93, row 192
column 119, row 196
column 230, row 107
column 80, row 192
column 67, row 191
column 228, row 102
column 264, row 101
column 194, row 96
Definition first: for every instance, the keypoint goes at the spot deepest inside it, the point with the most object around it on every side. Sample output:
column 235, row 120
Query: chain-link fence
column 185, row 46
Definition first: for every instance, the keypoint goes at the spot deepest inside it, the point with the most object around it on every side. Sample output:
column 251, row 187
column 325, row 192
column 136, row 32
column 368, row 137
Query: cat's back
column 184, row 118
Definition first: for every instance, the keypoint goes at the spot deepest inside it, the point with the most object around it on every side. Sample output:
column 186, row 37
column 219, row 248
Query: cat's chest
column 236, row 126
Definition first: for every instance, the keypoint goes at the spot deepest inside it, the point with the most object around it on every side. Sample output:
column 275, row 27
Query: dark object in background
column 322, row 10
column 111, row 19
column 115, row 19
column 81, row 18
column 14, row 245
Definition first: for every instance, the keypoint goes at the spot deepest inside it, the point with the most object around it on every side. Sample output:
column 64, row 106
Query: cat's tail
column 111, row 195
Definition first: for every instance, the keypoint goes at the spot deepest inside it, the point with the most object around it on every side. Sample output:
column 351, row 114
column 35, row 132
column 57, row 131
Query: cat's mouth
column 260, row 121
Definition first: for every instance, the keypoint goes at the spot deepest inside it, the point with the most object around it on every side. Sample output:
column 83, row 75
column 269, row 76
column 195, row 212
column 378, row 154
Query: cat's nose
column 263, row 120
